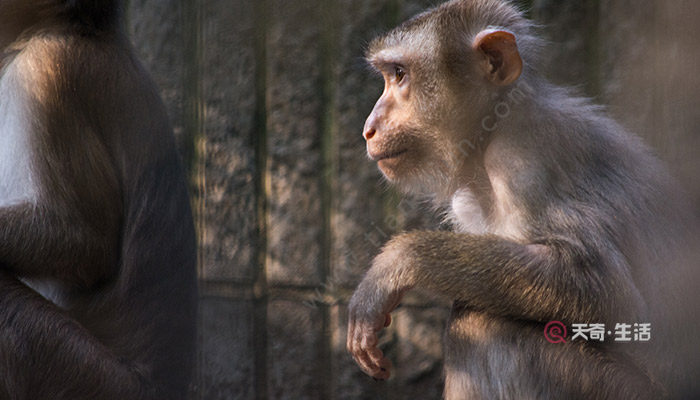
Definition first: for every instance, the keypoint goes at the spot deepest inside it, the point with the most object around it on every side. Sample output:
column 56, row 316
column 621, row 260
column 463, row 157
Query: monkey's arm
column 554, row 280
column 44, row 241
column 42, row 349
column 69, row 229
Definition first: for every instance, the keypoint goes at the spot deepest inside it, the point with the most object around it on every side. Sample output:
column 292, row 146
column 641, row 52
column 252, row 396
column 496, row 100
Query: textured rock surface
column 295, row 109
column 226, row 347
column 226, row 140
column 295, row 352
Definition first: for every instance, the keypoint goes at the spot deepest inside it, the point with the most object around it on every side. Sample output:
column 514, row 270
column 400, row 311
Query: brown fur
column 109, row 228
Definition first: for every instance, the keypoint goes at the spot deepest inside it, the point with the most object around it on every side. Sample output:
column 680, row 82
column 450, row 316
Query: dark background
column 268, row 99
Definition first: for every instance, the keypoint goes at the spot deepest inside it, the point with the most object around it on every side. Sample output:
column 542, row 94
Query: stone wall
column 268, row 99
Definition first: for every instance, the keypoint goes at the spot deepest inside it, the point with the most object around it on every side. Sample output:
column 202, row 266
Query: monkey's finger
column 362, row 359
column 365, row 351
column 376, row 355
column 377, row 370
column 382, row 371
column 387, row 321
column 354, row 345
column 381, row 365
column 368, row 356
column 385, row 367
column 355, row 335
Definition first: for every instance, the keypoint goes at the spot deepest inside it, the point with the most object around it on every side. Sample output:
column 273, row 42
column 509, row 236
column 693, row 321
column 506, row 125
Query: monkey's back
column 143, row 308
column 594, row 179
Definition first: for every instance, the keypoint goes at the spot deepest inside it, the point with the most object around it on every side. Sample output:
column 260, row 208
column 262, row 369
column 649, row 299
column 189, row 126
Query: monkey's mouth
column 387, row 155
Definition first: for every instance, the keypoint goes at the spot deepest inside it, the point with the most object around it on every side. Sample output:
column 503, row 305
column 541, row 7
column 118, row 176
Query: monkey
column 558, row 215
column 97, row 246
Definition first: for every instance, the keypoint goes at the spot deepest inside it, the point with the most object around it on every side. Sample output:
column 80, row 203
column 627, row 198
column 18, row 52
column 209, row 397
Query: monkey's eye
column 399, row 73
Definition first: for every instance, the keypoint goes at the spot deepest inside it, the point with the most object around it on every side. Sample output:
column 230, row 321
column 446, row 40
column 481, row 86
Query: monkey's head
column 17, row 17
column 443, row 71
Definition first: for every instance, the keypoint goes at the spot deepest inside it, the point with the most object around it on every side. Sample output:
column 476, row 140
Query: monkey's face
column 390, row 140
column 403, row 136
column 436, row 93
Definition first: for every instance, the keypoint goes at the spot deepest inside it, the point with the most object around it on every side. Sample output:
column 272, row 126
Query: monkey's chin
column 390, row 168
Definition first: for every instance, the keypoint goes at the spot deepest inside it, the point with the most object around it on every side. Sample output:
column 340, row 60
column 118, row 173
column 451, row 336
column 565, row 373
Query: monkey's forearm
column 36, row 363
column 38, row 241
column 489, row 273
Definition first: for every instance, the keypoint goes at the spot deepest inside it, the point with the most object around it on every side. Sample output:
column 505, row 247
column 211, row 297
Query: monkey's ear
column 501, row 59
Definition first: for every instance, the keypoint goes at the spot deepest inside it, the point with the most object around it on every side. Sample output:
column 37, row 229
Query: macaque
column 97, row 246
column 559, row 214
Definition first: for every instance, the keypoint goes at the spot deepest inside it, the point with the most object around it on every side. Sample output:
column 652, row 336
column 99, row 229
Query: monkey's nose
column 369, row 133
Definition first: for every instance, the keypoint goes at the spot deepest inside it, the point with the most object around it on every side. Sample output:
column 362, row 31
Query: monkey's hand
column 369, row 312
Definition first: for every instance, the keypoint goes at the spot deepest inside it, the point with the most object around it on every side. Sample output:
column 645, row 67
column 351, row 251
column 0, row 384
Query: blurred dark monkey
column 559, row 215
column 97, row 246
